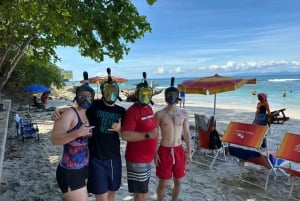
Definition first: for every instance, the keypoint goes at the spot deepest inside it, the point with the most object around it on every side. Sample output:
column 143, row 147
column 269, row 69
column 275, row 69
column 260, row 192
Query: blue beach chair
column 28, row 129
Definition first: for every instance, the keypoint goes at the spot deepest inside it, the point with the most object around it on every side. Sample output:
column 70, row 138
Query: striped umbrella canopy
column 98, row 80
column 213, row 85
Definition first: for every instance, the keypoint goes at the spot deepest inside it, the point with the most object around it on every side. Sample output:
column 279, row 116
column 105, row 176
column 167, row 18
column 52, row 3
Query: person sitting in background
column 37, row 104
column 44, row 99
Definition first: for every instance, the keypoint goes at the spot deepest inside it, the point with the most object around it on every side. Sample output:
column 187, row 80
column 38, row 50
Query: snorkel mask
column 110, row 89
column 144, row 92
column 85, row 101
column 172, row 93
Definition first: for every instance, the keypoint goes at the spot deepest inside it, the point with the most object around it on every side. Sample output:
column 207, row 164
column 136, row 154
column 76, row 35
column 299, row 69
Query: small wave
column 282, row 80
column 161, row 87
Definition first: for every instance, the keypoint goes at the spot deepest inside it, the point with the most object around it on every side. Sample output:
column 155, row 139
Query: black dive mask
column 84, row 101
column 172, row 93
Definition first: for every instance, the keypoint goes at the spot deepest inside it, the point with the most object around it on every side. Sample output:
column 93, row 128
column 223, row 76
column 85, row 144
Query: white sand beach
column 29, row 167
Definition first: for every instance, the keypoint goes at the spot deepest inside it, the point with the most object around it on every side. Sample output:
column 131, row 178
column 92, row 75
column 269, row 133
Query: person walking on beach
column 105, row 168
column 171, row 157
column 72, row 131
column 262, row 114
column 139, row 129
column 182, row 98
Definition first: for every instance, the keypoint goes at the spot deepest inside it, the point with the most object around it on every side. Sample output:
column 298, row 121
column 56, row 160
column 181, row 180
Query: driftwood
column 130, row 96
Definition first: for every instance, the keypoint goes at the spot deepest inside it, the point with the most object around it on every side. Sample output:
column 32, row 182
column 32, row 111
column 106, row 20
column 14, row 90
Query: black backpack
column 214, row 141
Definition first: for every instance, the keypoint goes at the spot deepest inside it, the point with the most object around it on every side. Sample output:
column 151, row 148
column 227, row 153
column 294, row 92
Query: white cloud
column 177, row 70
column 160, row 70
column 250, row 67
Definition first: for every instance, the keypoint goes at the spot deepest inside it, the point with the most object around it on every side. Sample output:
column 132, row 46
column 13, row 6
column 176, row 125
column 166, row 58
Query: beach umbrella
column 36, row 88
column 213, row 85
column 98, row 80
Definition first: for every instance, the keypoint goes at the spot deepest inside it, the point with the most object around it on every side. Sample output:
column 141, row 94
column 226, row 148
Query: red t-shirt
column 140, row 119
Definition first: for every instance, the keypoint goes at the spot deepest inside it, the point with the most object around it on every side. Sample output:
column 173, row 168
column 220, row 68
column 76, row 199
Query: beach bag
column 260, row 119
column 214, row 141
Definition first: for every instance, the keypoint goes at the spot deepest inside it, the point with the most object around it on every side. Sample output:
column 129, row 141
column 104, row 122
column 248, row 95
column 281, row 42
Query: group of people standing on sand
column 90, row 134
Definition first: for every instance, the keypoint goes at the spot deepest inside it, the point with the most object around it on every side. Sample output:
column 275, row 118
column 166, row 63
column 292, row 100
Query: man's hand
column 116, row 126
column 154, row 133
column 156, row 159
column 188, row 158
column 56, row 115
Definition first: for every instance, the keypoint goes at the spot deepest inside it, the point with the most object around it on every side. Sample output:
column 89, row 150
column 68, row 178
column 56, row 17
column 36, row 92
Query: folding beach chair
column 204, row 128
column 289, row 150
column 28, row 129
column 278, row 117
column 245, row 141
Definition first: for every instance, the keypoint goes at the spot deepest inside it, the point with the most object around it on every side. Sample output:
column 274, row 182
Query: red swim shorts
column 172, row 162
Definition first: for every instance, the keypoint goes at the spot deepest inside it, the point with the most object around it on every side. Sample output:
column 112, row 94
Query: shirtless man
column 171, row 157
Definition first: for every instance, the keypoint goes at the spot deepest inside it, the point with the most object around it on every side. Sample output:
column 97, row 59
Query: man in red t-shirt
column 140, row 131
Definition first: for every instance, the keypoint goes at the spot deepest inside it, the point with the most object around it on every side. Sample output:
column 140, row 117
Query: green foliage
column 98, row 28
column 151, row 2
column 30, row 71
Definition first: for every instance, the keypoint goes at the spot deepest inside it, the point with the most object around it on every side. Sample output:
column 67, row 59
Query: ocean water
column 273, row 85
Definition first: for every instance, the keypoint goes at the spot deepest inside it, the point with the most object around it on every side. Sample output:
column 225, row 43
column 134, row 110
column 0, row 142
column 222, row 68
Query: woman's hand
column 85, row 130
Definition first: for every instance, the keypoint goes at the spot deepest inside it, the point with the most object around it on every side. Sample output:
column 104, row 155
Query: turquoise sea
column 273, row 85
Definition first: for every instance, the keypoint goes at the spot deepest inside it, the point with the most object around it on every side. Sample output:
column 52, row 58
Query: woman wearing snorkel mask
column 171, row 158
column 72, row 131
column 140, row 131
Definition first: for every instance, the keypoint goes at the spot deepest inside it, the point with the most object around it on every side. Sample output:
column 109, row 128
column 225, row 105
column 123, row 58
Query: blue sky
column 195, row 38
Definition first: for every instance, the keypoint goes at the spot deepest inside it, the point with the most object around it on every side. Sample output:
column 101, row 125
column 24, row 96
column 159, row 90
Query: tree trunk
column 13, row 63
column 3, row 57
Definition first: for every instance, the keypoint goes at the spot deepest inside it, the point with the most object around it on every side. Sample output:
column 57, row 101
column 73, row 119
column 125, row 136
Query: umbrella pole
column 215, row 104
column 97, row 90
